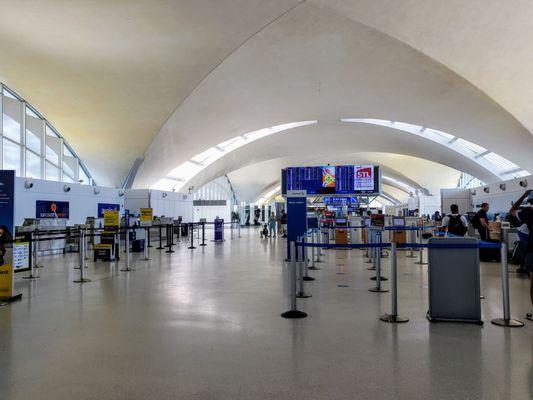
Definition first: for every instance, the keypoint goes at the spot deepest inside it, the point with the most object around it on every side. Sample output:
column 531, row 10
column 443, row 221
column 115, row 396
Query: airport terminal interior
column 266, row 199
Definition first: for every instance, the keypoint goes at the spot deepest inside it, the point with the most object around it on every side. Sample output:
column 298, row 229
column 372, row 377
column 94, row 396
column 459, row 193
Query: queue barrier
column 393, row 317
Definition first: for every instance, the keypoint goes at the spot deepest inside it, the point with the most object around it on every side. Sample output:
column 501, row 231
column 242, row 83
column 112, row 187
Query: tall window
column 32, row 147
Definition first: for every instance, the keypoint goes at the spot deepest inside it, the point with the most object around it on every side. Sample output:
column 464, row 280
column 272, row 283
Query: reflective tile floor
column 206, row 325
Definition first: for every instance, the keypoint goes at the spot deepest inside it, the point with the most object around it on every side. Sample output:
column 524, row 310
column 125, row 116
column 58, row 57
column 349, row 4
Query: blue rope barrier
column 479, row 245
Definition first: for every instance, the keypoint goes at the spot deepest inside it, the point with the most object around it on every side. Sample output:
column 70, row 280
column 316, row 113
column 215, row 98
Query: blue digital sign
column 102, row 207
column 52, row 209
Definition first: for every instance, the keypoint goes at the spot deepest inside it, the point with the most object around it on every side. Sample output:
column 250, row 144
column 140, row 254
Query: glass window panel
column 84, row 179
column 33, row 165
column 50, row 131
column 11, row 156
column 53, row 146
column 11, row 113
column 30, row 112
column 67, row 178
column 52, row 172
column 34, row 133
column 67, row 152
column 70, row 165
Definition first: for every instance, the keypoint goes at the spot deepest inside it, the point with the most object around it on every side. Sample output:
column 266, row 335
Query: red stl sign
column 365, row 172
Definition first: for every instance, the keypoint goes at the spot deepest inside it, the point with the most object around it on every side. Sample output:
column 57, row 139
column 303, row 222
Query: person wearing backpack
column 480, row 221
column 455, row 223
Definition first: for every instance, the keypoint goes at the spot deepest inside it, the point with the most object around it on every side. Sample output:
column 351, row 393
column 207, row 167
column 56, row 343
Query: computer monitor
column 398, row 222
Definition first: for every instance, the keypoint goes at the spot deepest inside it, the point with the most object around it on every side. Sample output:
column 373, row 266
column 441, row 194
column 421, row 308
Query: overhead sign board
column 102, row 207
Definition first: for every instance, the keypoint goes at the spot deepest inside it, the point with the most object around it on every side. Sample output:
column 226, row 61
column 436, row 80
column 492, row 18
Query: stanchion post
column 127, row 245
column 377, row 261
column 293, row 310
column 33, row 250
column 83, row 244
column 191, row 235
column 170, row 243
column 239, row 228
column 301, row 278
column 160, row 238
column 306, row 276
column 506, row 320
column 377, row 258
column 420, row 249
column 314, row 239
column 203, row 235
column 146, row 257
column 412, row 240
column 371, row 250
column 393, row 316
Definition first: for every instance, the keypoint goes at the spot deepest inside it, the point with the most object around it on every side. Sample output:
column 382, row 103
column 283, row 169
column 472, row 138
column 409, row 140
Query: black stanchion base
column 191, row 247
column 146, row 259
column 127, row 269
column 159, row 248
column 319, row 261
column 170, row 251
column 511, row 323
column 308, row 278
column 371, row 268
column 303, row 295
column 150, row 245
column 203, row 244
column 30, row 277
column 383, row 278
column 313, row 268
column 421, row 263
column 378, row 290
column 84, row 280
column 292, row 314
column 369, row 261
column 5, row 301
column 393, row 319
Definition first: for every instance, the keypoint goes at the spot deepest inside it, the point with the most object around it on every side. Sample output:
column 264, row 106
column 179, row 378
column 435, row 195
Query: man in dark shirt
column 520, row 216
column 481, row 222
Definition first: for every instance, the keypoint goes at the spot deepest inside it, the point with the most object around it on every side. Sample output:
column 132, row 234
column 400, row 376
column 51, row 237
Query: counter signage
column 146, row 216
column 7, row 203
column 6, row 281
column 219, row 230
column 111, row 219
column 52, row 209
column 21, row 256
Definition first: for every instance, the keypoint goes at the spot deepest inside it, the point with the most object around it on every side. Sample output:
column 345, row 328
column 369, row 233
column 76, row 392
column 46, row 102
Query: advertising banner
column 7, row 216
column 7, row 204
column 364, row 178
column 146, row 216
column 52, row 209
column 111, row 219
column 102, row 207
column 296, row 216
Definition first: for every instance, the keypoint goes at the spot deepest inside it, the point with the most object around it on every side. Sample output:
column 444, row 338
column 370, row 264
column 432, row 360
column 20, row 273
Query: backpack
column 456, row 226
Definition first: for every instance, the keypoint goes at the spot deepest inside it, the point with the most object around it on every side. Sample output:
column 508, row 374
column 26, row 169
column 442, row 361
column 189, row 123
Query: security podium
column 454, row 287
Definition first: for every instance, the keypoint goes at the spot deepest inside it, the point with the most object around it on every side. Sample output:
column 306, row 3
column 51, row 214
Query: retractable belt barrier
column 297, row 276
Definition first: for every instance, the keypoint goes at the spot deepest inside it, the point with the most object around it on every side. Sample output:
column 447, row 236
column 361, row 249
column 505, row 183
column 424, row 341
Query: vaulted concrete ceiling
column 169, row 79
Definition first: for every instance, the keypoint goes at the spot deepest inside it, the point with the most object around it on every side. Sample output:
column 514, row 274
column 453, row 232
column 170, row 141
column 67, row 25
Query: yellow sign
column 102, row 246
column 146, row 216
column 111, row 218
column 6, row 281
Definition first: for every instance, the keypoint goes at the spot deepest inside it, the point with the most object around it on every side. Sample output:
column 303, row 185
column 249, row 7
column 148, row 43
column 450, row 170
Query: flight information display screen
column 340, row 179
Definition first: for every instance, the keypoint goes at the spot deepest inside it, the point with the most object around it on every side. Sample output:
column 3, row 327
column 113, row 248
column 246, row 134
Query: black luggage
column 490, row 254
column 519, row 253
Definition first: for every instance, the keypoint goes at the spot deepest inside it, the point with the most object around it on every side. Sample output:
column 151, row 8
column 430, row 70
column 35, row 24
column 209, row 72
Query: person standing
column 481, row 222
column 518, row 217
column 455, row 223
column 283, row 222
column 272, row 225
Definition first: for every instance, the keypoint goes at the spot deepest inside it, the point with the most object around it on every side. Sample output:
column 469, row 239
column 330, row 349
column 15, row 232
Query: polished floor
column 206, row 325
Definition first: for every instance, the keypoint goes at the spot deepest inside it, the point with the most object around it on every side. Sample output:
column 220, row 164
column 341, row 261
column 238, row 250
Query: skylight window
column 470, row 146
column 439, row 134
column 502, row 164
column 189, row 169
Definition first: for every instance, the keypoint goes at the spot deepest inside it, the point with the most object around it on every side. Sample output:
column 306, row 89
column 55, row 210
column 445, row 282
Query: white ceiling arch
column 315, row 64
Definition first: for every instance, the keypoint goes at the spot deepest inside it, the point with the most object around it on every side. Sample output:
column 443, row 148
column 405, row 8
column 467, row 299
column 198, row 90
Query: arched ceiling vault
column 165, row 80
column 315, row 64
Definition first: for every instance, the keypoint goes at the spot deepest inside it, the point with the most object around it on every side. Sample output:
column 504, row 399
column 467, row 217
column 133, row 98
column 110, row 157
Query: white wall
column 83, row 202
column 171, row 204
column 461, row 197
column 135, row 199
column 501, row 200
column 217, row 189
column 429, row 204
